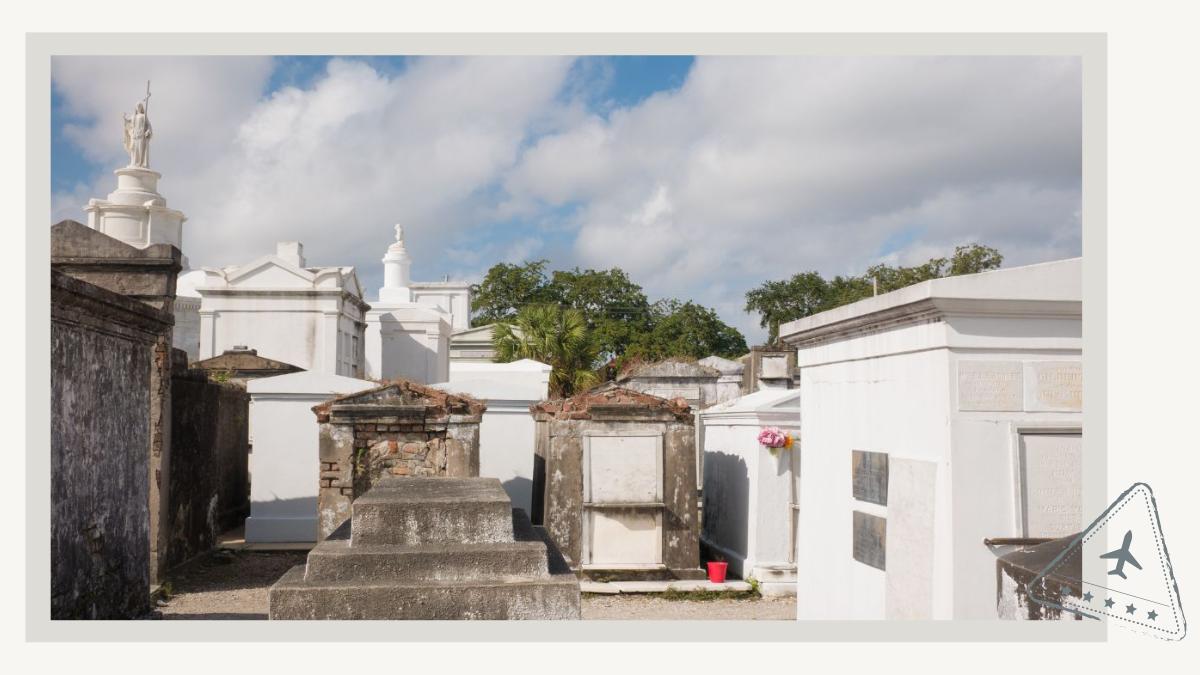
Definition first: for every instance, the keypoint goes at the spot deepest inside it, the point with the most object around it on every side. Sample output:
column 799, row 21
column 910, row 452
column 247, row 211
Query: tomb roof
column 402, row 392
column 610, row 395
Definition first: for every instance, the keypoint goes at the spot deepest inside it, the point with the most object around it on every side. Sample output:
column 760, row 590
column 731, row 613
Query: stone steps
column 431, row 548
column 338, row 561
column 552, row 597
column 420, row 511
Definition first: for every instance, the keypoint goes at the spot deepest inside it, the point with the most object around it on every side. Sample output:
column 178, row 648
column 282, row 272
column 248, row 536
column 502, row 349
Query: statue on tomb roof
column 399, row 233
column 138, row 133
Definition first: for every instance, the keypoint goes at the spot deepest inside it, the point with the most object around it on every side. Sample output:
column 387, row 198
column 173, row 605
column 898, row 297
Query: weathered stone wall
column 147, row 275
column 101, row 357
column 563, row 427
column 399, row 429
column 208, row 480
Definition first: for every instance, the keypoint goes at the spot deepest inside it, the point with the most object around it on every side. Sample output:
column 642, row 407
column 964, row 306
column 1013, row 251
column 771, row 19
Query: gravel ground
column 638, row 606
column 227, row 584
column 233, row 585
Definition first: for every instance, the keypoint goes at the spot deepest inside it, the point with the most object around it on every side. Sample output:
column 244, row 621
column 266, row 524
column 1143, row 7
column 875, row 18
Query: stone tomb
column 615, row 470
column 399, row 429
column 431, row 548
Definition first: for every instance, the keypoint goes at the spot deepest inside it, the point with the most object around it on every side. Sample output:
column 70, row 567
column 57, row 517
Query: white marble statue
column 399, row 234
column 138, row 133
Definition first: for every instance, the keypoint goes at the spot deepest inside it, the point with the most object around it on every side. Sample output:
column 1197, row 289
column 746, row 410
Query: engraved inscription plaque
column 869, row 475
column 1054, row 386
column 994, row 386
column 1051, row 484
column 870, row 539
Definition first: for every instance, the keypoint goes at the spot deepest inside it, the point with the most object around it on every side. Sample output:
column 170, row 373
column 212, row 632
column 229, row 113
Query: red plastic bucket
column 716, row 572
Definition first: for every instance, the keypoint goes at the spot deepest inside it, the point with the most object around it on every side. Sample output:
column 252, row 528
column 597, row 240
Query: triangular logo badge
column 1118, row 569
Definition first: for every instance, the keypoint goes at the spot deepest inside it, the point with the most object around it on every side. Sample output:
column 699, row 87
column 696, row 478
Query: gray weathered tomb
column 615, row 470
column 431, row 548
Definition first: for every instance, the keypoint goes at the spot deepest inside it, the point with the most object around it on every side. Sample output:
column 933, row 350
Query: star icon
column 1130, row 609
column 1108, row 602
column 1152, row 615
column 1087, row 597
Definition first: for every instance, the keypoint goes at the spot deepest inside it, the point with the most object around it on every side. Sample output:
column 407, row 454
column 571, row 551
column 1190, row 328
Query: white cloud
column 755, row 168
column 333, row 165
column 758, row 168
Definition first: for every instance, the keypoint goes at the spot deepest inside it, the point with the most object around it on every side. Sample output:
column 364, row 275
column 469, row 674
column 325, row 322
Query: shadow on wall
column 296, row 507
column 520, row 491
column 726, row 501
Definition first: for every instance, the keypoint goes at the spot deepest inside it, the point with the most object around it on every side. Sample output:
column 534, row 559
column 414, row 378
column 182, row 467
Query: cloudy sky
column 701, row 177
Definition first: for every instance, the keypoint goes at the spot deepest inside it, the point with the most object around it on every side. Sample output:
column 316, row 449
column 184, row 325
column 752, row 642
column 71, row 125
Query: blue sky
column 701, row 177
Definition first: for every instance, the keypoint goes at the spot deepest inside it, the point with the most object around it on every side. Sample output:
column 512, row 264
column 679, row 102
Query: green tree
column 615, row 308
column 506, row 289
column 688, row 330
column 554, row 335
column 780, row 301
column 808, row 293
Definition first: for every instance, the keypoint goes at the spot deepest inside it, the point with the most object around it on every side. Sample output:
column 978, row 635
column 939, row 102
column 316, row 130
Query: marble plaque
column 689, row 394
column 909, row 583
column 625, row 537
column 869, row 475
column 775, row 366
column 623, row 469
column 1051, row 484
column 1055, row 386
column 870, row 539
column 990, row 386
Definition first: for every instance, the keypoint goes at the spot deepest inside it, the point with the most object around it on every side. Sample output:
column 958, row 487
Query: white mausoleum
column 408, row 328
column 750, row 493
column 284, row 461
column 932, row 418
column 506, row 433
column 312, row 317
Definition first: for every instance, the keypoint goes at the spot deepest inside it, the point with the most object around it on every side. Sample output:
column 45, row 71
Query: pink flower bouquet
column 775, row 438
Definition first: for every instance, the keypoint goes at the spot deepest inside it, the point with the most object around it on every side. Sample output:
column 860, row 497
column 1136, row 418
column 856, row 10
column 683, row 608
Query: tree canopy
column 618, row 316
column 808, row 293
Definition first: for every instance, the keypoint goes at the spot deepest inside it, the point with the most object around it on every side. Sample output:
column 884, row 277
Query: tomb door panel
column 1051, row 485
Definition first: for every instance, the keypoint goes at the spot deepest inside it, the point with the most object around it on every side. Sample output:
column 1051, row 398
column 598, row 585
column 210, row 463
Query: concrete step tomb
column 431, row 548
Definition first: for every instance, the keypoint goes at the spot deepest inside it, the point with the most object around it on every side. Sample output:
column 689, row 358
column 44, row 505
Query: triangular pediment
column 273, row 272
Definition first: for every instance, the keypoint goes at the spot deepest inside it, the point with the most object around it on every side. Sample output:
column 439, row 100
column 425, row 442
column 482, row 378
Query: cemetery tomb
column 615, row 473
column 431, row 548
column 750, row 493
column 401, row 428
column 285, row 460
column 936, row 417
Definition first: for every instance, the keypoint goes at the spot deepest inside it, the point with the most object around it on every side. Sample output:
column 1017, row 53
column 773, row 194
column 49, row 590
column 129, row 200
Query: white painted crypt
column 284, row 457
column 506, row 434
column 749, row 493
column 936, row 416
column 311, row 317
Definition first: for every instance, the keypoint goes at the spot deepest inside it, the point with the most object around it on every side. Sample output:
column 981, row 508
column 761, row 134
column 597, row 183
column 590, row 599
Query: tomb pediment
column 271, row 271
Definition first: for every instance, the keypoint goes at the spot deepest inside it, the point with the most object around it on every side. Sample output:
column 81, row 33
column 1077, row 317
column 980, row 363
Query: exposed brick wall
column 399, row 429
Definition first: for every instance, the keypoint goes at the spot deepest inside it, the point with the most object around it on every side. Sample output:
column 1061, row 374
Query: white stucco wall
column 284, row 458
column 409, row 342
column 506, row 434
column 893, row 387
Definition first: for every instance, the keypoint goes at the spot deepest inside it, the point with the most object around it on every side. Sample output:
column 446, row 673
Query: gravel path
column 233, row 585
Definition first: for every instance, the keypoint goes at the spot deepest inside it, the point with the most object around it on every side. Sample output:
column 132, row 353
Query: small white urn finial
column 399, row 234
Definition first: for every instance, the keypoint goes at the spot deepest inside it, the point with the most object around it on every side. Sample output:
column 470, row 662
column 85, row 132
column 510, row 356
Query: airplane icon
column 1122, row 556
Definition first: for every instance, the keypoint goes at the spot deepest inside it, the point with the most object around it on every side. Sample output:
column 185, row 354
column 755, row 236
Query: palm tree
column 554, row 335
